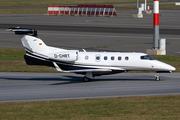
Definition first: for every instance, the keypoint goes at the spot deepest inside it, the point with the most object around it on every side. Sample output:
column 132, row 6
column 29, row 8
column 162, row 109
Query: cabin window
column 126, row 58
column 55, row 56
column 119, row 58
column 98, row 58
column 112, row 58
column 76, row 55
column 147, row 57
column 86, row 57
column 105, row 58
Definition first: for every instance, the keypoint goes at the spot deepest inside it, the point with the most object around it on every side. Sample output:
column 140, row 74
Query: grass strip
column 136, row 108
column 24, row 11
column 12, row 60
column 21, row 66
column 12, row 54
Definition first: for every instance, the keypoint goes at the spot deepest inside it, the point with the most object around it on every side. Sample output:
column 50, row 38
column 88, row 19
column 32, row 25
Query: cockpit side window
column 144, row 58
column 147, row 57
column 150, row 58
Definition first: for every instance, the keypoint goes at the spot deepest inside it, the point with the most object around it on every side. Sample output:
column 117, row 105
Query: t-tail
column 37, row 52
column 30, row 41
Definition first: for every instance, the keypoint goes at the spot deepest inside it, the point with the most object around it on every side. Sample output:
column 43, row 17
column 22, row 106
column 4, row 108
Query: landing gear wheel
column 157, row 77
column 85, row 79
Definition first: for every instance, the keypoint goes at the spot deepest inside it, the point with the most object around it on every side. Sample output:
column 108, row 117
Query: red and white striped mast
column 156, row 25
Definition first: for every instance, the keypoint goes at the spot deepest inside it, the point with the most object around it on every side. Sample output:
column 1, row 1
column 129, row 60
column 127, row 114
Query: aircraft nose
column 163, row 66
column 170, row 68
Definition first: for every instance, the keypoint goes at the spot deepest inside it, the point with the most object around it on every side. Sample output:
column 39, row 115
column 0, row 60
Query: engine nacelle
column 66, row 56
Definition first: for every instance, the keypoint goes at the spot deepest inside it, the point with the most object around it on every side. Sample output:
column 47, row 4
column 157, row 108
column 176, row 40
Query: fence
column 83, row 10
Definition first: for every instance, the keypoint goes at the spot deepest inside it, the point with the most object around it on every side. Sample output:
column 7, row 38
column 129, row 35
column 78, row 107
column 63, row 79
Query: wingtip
column 11, row 29
column 8, row 30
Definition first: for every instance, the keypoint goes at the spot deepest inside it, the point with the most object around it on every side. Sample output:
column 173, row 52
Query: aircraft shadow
column 80, row 80
column 74, row 79
column 32, row 79
column 68, row 79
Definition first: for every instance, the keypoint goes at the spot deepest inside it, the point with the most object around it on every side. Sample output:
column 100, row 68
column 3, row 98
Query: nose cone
column 169, row 68
column 164, row 66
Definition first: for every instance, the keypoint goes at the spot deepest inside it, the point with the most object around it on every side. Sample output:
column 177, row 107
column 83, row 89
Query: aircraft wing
column 90, row 70
column 84, row 70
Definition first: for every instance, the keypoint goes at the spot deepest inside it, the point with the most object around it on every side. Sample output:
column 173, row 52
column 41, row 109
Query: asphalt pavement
column 19, row 86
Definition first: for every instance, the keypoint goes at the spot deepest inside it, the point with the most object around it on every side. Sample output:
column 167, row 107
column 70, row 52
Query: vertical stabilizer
column 34, row 44
column 30, row 40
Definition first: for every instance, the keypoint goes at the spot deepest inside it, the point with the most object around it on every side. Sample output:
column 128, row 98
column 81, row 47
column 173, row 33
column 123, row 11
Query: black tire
column 85, row 79
column 158, row 78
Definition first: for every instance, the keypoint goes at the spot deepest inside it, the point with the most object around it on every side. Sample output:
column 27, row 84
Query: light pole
column 156, row 24
column 137, row 7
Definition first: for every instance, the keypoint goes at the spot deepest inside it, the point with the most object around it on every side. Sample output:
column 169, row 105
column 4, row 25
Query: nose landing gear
column 157, row 77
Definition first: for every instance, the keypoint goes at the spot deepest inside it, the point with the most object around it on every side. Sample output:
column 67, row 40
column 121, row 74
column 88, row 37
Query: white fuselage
column 121, row 61
column 116, row 61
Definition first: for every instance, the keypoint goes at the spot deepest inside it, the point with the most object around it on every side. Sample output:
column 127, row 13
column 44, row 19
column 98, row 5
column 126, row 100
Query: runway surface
column 17, row 87
column 96, row 29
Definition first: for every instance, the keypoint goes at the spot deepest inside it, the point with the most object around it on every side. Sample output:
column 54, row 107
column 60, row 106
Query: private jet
column 90, row 64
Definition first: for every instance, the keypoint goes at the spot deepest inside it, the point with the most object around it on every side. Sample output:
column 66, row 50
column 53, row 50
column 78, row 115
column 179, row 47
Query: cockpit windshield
column 147, row 57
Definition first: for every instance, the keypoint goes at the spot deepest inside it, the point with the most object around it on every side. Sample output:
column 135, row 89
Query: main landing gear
column 88, row 77
column 157, row 77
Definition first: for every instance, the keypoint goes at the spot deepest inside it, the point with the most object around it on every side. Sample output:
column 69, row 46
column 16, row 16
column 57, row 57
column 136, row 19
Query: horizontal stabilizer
column 23, row 31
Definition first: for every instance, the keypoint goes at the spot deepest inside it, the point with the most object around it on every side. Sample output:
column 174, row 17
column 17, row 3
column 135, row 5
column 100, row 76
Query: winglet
column 57, row 67
column 84, row 50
